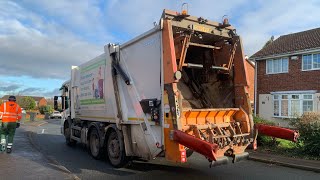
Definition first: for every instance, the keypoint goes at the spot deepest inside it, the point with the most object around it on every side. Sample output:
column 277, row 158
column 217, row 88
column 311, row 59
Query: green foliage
column 308, row 145
column 309, row 129
column 46, row 109
column 257, row 120
column 28, row 103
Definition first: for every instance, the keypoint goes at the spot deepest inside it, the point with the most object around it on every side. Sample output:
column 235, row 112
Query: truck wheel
column 189, row 151
column 67, row 135
column 115, row 150
column 94, row 144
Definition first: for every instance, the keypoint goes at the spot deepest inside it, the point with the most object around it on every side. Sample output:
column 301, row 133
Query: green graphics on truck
column 91, row 84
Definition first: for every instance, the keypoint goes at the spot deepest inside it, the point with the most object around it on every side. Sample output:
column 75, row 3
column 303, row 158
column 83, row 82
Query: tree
column 50, row 101
column 46, row 109
column 28, row 103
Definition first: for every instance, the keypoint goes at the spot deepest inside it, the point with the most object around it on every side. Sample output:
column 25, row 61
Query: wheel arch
column 67, row 120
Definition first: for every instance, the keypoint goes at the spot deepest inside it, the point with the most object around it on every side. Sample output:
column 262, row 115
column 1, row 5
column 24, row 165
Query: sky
column 41, row 39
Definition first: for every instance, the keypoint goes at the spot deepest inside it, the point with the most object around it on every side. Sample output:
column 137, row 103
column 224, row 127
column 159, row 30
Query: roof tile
column 309, row 39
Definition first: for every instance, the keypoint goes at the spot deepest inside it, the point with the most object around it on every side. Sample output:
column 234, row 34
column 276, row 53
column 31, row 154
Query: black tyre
column 94, row 144
column 67, row 135
column 189, row 151
column 115, row 150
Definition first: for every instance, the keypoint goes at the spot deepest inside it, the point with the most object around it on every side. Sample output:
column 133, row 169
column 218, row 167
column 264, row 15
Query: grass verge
column 286, row 148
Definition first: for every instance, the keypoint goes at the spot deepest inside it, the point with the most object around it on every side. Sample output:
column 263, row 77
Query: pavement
column 26, row 162
column 310, row 165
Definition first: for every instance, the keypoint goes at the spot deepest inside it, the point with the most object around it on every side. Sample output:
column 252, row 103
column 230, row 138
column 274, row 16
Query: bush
column 45, row 109
column 261, row 139
column 27, row 103
column 257, row 120
column 309, row 128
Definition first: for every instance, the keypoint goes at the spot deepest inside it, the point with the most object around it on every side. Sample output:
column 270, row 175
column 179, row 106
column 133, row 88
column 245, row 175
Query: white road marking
column 42, row 131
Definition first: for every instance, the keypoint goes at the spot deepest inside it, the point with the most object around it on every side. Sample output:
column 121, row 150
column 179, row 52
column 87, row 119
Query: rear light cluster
column 183, row 156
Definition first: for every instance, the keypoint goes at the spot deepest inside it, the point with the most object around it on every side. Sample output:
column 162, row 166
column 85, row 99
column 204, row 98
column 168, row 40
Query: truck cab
column 62, row 103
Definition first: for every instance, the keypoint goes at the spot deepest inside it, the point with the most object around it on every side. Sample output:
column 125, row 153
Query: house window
column 276, row 107
column 292, row 105
column 284, row 105
column 307, row 104
column 277, row 66
column 311, row 61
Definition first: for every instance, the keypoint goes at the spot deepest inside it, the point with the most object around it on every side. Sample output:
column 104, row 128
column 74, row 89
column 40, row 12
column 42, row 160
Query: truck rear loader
column 178, row 88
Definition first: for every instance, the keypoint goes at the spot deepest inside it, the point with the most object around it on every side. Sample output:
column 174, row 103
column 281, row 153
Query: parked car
column 55, row 114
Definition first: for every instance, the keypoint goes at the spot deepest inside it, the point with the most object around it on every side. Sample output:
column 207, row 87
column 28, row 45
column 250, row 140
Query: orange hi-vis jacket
column 10, row 112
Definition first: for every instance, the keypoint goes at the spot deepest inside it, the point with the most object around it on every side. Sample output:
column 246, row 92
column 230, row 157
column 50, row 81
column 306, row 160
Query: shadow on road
column 77, row 159
column 25, row 162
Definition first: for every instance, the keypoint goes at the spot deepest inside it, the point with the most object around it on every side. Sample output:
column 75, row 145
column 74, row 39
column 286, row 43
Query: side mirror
column 63, row 103
column 66, row 104
column 55, row 103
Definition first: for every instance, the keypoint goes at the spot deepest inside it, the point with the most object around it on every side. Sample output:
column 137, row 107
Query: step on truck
column 178, row 88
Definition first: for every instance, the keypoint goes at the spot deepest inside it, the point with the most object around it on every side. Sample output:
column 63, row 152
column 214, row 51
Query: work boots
column 9, row 146
column 3, row 145
column 2, row 148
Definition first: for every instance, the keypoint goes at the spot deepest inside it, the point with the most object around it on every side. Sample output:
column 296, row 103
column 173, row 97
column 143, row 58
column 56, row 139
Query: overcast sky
column 41, row 39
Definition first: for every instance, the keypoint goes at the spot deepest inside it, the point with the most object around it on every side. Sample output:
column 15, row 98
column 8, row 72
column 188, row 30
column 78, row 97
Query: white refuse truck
column 178, row 88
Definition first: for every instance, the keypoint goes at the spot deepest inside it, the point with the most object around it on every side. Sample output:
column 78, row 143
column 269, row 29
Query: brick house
column 250, row 67
column 288, row 77
column 40, row 101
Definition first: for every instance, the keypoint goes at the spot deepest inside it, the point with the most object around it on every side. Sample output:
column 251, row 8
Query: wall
column 316, row 104
column 266, row 111
column 250, row 72
column 294, row 80
column 265, row 106
column 42, row 102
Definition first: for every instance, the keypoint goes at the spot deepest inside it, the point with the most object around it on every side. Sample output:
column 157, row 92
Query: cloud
column 255, row 21
column 276, row 18
column 84, row 15
column 43, row 40
column 35, row 91
column 9, row 88
column 31, row 91
column 50, row 94
column 33, row 47
column 134, row 18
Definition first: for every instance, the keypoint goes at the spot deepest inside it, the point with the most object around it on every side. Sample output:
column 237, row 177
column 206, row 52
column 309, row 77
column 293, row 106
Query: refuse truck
column 179, row 88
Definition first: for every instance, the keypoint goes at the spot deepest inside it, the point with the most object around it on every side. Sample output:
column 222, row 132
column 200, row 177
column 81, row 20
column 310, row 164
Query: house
column 288, row 77
column 250, row 68
column 40, row 101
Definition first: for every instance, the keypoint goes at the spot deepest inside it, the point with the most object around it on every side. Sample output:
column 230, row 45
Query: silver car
column 55, row 114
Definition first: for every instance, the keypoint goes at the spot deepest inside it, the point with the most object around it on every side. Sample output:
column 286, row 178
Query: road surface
column 78, row 161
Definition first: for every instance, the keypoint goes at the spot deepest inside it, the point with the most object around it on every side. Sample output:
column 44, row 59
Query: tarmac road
column 78, row 161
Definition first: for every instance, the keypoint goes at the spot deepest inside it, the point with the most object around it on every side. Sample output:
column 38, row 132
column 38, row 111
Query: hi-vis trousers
column 7, row 130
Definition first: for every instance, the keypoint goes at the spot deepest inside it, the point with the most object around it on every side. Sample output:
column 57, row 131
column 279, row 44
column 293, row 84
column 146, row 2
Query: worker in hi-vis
column 10, row 112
